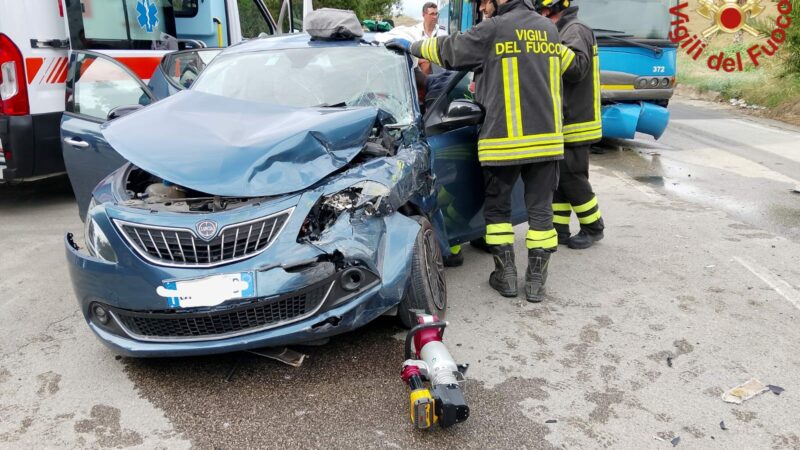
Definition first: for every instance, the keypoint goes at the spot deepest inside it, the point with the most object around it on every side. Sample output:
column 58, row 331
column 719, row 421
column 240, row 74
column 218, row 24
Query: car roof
column 296, row 40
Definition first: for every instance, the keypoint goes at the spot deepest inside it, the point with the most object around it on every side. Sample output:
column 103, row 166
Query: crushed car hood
column 229, row 147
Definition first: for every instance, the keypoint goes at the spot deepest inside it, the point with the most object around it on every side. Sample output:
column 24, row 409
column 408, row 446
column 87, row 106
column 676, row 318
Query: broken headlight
column 368, row 198
column 96, row 241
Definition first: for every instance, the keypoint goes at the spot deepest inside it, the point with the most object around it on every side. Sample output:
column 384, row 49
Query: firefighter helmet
column 555, row 6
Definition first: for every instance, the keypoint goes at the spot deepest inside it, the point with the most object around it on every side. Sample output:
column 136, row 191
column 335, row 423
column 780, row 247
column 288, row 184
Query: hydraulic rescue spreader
column 444, row 402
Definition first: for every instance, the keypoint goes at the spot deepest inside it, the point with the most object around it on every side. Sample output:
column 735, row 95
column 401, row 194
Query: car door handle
column 76, row 143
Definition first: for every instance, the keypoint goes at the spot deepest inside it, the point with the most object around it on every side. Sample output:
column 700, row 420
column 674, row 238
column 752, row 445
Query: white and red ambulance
column 36, row 37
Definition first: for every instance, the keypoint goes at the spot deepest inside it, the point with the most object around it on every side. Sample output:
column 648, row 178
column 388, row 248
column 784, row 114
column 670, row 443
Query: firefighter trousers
column 540, row 180
column 575, row 193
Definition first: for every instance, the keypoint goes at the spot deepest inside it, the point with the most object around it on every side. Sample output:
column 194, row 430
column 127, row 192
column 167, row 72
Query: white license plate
column 208, row 291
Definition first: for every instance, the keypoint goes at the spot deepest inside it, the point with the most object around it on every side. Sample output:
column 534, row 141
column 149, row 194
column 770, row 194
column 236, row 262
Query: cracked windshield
column 326, row 77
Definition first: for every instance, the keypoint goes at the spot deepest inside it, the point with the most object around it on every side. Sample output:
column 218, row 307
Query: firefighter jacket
column 522, row 60
column 582, row 116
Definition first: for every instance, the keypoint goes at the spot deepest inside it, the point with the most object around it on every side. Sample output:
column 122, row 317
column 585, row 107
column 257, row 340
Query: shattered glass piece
column 775, row 389
column 675, row 441
column 722, row 425
column 551, row 421
column 744, row 391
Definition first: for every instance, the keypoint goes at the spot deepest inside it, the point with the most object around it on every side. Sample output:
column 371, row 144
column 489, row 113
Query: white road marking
column 773, row 281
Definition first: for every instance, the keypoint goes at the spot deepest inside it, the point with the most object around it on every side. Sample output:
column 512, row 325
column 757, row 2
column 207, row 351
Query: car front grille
column 181, row 246
column 224, row 321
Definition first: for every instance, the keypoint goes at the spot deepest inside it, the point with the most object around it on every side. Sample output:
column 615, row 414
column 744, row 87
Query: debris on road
column 669, row 361
column 796, row 190
column 284, row 355
column 675, row 441
column 551, row 421
column 744, row 391
column 775, row 389
column 722, row 426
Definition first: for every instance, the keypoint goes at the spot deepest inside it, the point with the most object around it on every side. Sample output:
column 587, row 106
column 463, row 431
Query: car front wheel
column 427, row 290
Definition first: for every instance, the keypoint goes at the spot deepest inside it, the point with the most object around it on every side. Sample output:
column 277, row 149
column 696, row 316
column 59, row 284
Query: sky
column 413, row 8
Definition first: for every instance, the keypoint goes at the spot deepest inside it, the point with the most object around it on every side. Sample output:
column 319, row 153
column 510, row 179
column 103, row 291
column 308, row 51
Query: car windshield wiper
column 621, row 36
column 611, row 32
column 334, row 105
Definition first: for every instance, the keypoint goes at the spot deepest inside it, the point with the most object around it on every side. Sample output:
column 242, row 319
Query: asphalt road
column 695, row 289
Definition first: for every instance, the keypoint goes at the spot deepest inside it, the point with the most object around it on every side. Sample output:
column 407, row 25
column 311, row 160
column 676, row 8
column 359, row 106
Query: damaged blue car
column 294, row 192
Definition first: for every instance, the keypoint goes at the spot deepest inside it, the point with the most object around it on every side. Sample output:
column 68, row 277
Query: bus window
column 185, row 9
column 455, row 15
column 252, row 20
column 297, row 15
column 123, row 25
column 651, row 21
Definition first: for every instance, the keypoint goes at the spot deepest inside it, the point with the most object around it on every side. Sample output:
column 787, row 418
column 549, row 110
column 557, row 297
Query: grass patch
column 767, row 85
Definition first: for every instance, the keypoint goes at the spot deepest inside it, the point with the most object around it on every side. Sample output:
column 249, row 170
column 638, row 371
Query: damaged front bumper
column 304, row 292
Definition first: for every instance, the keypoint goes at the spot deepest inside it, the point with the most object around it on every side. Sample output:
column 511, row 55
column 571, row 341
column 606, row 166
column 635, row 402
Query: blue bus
column 637, row 59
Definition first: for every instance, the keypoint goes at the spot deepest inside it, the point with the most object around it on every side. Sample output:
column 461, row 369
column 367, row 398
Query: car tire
column 427, row 289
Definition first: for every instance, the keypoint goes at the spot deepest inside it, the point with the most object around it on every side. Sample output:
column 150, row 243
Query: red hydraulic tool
column 444, row 402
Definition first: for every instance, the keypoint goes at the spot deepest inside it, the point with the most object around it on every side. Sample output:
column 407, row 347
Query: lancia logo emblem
column 206, row 229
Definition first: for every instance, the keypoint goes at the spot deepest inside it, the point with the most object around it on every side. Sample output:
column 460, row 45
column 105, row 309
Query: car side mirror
column 120, row 111
column 462, row 113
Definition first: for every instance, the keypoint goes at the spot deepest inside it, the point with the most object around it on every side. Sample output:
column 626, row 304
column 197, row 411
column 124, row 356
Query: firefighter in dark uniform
column 522, row 61
column 582, row 127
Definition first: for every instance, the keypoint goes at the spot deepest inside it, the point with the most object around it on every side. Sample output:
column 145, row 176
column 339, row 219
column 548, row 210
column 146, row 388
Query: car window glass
column 461, row 90
column 183, row 68
column 101, row 85
column 308, row 77
column 252, row 21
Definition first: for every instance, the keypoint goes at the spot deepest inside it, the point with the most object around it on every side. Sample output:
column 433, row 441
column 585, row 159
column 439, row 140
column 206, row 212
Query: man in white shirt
column 428, row 28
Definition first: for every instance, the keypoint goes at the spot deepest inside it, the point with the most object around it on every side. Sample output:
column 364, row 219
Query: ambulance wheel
column 427, row 288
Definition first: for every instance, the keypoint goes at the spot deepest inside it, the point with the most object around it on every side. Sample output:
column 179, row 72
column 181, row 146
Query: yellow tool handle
column 422, row 410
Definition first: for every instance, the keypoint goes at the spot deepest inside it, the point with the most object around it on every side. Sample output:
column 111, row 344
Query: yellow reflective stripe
column 423, row 49
column 456, row 249
column 507, row 94
column 596, row 70
column 521, row 138
column 579, row 134
column 567, row 56
column 502, row 239
column 555, row 93
column 498, row 147
column 513, row 157
column 562, row 207
column 586, row 206
column 435, row 52
column 494, row 228
column 581, row 126
column 508, row 151
column 561, row 220
column 590, row 218
column 580, row 137
column 541, row 239
column 517, row 104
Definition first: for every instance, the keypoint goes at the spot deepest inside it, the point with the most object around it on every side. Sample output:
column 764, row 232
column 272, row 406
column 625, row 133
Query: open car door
column 459, row 178
column 100, row 89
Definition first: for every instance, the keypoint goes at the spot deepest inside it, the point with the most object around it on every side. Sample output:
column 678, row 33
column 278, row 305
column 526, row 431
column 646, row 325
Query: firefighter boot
column 536, row 275
column 455, row 258
column 587, row 236
column 504, row 277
